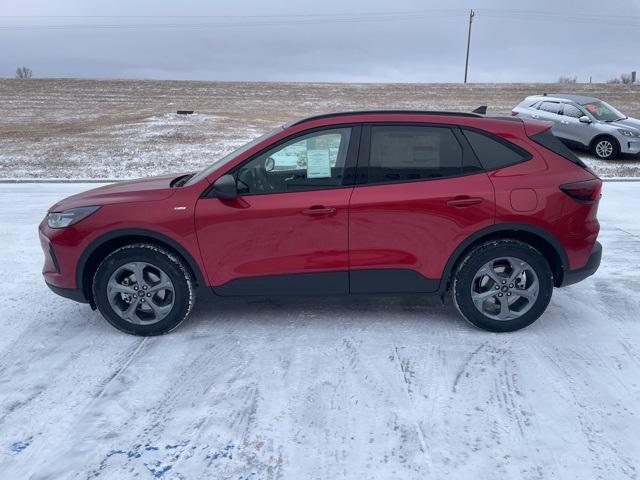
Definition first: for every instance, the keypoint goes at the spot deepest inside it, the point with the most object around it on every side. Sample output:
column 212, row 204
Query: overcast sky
column 332, row 40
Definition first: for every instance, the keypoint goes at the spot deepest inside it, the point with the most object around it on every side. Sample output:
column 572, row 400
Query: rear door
column 420, row 192
column 287, row 233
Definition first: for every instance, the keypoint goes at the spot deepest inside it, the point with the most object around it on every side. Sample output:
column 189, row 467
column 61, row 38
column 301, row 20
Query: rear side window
column 551, row 107
column 549, row 141
column 494, row 153
column 407, row 153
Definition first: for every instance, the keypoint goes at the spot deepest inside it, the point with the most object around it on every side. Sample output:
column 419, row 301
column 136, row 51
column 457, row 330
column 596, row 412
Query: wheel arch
column 549, row 246
column 107, row 243
column 600, row 136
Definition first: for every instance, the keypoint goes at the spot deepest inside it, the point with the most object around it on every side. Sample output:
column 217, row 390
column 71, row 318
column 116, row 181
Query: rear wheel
column 502, row 286
column 605, row 148
column 143, row 289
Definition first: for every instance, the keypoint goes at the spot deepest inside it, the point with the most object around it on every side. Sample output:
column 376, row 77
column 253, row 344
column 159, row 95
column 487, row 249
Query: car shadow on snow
column 333, row 310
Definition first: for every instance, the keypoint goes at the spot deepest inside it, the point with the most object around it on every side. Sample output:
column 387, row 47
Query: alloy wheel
column 140, row 293
column 505, row 288
column 604, row 148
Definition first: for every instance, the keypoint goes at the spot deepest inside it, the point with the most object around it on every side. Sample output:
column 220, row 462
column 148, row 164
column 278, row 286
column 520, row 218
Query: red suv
column 495, row 210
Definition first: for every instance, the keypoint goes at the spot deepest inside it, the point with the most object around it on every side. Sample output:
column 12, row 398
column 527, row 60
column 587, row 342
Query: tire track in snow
column 127, row 358
column 407, row 375
column 605, row 456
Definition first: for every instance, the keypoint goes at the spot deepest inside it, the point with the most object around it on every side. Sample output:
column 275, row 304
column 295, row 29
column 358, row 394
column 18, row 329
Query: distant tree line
column 625, row 78
column 24, row 72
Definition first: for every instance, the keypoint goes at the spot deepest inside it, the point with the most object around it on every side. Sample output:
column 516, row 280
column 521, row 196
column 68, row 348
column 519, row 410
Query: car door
column 420, row 193
column 287, row 232
column 550, row 111
column 570, row 128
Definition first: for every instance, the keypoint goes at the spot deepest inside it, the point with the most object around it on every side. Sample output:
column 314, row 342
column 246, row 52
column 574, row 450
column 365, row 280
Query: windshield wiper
column 616, row 119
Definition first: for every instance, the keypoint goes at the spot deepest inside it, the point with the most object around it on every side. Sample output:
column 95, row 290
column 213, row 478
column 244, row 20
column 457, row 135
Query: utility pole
column 466, row 64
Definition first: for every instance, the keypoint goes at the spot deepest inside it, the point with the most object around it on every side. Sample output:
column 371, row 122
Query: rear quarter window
column 494, row 153
column 549, row 141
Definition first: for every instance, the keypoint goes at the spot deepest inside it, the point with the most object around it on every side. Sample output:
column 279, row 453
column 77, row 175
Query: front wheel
column 502, row 286
column 143, row 289
column 605, row 148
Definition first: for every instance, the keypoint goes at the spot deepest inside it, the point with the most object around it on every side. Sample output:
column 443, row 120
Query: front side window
column 229, row 157
column 571, row 111
column 409, row 153
column 309, row 162
column 551, row 107
column 603, row 111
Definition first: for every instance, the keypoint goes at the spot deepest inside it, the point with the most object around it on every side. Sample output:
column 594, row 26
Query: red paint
column 411, row 225
column 524, row 199
column 415, row 225
column 273, row 234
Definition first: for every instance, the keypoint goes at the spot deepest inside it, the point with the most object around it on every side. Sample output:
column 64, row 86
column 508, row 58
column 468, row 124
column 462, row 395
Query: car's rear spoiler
column 481, row 110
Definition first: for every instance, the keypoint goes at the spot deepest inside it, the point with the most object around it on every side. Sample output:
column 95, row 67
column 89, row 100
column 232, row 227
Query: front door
column 570, row 128
column 287, row 232
column 424, row 193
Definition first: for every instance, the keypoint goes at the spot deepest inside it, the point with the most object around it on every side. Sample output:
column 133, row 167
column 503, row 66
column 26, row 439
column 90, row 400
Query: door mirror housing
column 225, row 187
column 584, row 119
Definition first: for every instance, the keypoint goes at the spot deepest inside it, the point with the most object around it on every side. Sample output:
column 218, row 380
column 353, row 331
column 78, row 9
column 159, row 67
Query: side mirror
column 225, row 187
column 584, row 119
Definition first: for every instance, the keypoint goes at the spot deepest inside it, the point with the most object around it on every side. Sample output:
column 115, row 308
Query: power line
column 291, row 15
column 257, row 20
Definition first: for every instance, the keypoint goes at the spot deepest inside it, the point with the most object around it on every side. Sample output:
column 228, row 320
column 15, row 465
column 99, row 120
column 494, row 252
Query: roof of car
column 385, row 112
column 579, row 99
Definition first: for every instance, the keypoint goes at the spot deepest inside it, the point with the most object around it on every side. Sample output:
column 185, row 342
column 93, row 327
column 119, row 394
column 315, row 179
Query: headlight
column 629, row 133
column 69, row 217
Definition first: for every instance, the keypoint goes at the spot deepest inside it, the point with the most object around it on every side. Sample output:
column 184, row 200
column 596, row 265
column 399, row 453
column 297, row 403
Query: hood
column 629, row 122
column 141, row 190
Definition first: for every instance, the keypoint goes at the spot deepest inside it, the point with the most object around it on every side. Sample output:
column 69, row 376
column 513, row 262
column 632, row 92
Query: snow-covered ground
column 320, row 388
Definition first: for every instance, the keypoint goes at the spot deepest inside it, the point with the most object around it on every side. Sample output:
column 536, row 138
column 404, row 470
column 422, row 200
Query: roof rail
column 375, row 112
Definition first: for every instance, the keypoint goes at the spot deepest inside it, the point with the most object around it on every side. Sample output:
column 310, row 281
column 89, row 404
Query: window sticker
column 318, row 164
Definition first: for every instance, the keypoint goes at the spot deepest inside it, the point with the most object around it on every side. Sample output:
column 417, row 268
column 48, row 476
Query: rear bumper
column 70, row 293
column 579, row 274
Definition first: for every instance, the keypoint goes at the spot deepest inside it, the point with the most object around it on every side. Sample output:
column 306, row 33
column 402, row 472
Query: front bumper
column 629, row 146
column 579, row 274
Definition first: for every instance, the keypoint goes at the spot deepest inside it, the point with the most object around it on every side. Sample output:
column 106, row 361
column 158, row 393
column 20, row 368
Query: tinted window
column 571, row 111
column 407, row 153
column 313, row 161
column 551, row 107
column 548, row 140
column 493, row 153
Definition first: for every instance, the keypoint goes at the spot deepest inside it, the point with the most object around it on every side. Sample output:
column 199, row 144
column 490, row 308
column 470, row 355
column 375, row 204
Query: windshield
column 229, row 157
column 603, row 111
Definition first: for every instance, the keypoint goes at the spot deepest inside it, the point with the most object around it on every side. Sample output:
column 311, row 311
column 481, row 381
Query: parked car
column 585, row 123
column 495, row 210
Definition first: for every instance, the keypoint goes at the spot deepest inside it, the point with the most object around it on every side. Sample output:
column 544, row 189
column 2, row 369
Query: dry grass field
column 124, row 129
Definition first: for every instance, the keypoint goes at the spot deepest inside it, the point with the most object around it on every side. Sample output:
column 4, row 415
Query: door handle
column 535, row 116
column 564, row 122
column 463, row 202
column 319, row 210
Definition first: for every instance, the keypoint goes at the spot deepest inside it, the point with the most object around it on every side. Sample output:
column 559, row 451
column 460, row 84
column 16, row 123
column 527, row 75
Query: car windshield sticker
column 318, row 165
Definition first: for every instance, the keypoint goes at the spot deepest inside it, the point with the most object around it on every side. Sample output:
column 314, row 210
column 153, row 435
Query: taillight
column 514, row 113
column 585, row 191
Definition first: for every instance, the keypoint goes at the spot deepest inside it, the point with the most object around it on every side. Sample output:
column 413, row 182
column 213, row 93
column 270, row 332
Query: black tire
column 183, row 295
column 473, row 261
column 614, row 148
